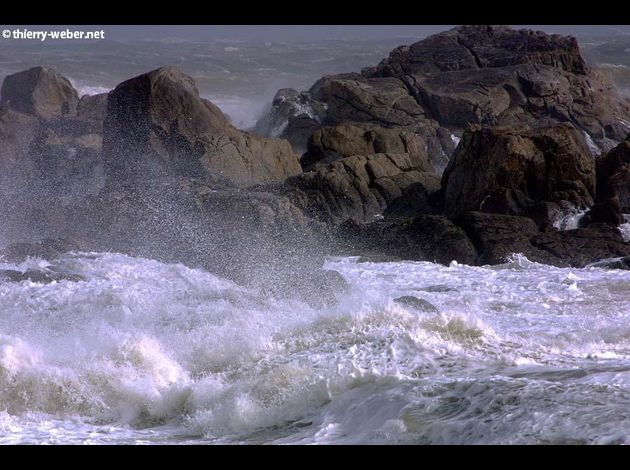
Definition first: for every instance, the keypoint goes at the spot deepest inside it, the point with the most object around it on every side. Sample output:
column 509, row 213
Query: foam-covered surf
column 141, row 351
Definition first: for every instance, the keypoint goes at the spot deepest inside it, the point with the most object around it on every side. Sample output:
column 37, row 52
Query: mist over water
column 145, row 349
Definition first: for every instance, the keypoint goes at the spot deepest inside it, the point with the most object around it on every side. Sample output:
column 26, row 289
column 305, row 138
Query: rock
column 425, row 238
column 40, row 276
column 507, row 170
column 613, row 175
column 39, row 91
column 480, row 74
column 93, row 107
column 499, row 76
column 359, row 187
column 497, row 237
column 613, row 263
column 316, row 287
column 415, row 303
column 157, row 125
column 293, row 115
column 345, row 140
column 584, row 245
column 606, row 212
column 47, row 249
column 17, row 131
column 438, row 288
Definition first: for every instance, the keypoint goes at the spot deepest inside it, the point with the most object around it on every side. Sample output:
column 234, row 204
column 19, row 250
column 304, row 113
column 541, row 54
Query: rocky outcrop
column 489, row 75
column 345, row 140
column 583, row 246
column 613, row 175
column 157, row 125
column 40, row 92
column 424, row 238
column 359, row 187
column 496, row 237
column 510, row 171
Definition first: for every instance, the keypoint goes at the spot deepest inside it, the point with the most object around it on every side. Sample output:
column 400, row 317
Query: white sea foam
column 595, row 150
column 625, row 228
column 570, row 220
column 149, row 352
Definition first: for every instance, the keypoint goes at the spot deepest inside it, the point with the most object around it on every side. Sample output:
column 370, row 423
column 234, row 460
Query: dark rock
column 425, row 238
column 497, row 237
column 39, row 91
column 584, row 245
column 606, row 212
column 490, row 75
column 40, row 276
column 506, row 170
column 613, row 263
column 17, row 131
column 359, row 187
column 417, row 304
column 496, row 75
column 437, row 288
column 157, row 125
column 47, row 249
column 613, row 175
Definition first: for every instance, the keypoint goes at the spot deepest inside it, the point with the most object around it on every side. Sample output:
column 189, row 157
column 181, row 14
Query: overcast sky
column 313, row 32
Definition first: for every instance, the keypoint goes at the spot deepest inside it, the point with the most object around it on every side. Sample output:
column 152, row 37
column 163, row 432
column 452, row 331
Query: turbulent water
column 144, row 352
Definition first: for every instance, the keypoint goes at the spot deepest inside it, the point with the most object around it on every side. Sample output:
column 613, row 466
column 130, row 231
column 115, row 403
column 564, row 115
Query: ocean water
column 145, row 352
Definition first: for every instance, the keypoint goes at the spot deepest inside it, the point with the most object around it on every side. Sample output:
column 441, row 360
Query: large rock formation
column 346, row 140
column 613, row 175
column 510, row 171
column 39, row 91
column 361, row 187
column 491, row 75
column 157, row 125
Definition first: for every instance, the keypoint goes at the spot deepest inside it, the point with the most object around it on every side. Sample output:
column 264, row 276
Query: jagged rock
column 507, row 170
column 157, row 125
column 613, row 175
column 490, row 75
column 345, row 140
column 93, row 107
column 39, row 91
column 48, row 136
column 496, row 75
column 417, row 304
column 359, row 187
column 17, row 131
column 584, row 245
column 293, row 115
column 606, row 212
column 496, row 237
column 425, row 238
